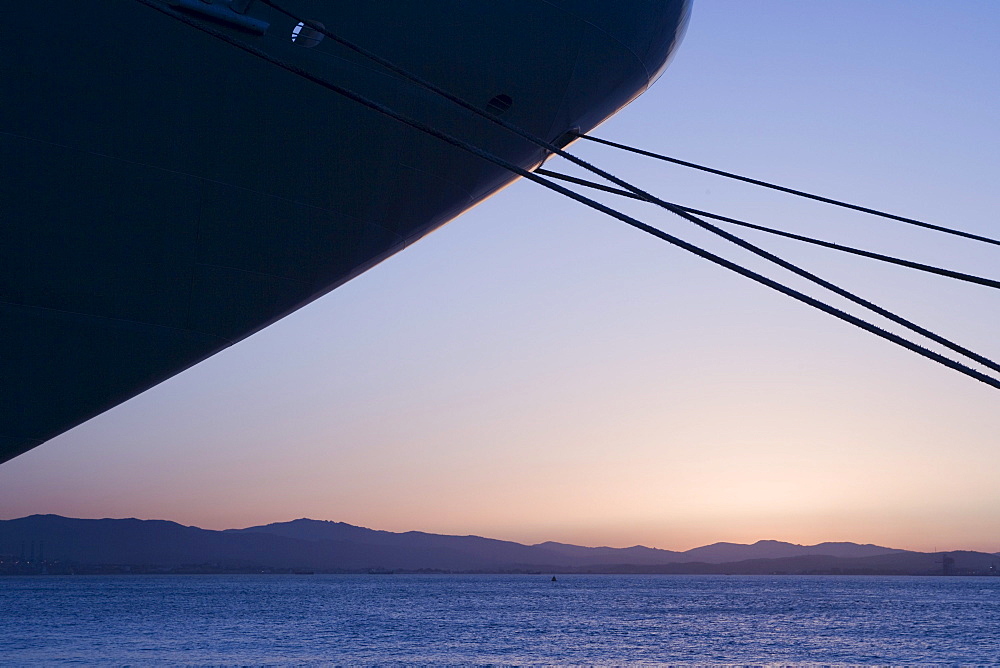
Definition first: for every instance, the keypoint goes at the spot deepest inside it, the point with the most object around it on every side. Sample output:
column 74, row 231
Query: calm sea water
column 581, row 619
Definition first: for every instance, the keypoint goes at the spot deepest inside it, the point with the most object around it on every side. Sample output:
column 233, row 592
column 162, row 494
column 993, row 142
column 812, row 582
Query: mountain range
column 60, row 544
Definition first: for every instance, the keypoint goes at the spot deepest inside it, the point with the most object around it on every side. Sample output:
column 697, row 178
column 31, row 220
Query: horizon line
column 484, row 537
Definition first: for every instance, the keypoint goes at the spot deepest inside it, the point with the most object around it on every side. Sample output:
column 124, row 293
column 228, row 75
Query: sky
column 536, row 371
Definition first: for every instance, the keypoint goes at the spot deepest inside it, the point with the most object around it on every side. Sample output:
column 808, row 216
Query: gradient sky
column 534, row 371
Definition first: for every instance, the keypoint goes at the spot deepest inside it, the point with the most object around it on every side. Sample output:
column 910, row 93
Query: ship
column 166, row 194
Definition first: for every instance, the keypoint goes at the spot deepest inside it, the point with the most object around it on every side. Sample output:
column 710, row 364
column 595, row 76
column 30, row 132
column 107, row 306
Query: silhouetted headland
column 60, row 545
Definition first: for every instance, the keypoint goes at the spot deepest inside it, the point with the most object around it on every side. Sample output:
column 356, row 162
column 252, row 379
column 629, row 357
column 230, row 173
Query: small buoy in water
column 553, row 578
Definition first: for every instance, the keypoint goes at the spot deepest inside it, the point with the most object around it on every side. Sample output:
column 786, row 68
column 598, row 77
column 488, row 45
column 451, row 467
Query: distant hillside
column 110, row 545
column 486, row 552
column 719, row 553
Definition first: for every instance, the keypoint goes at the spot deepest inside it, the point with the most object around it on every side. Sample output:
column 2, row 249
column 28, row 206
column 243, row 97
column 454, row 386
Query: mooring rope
column 791, row 191
column 714, row 229
column 516, row 169
column 919, row 266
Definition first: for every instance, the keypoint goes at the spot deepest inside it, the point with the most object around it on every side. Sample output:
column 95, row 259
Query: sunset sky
column 535, row 371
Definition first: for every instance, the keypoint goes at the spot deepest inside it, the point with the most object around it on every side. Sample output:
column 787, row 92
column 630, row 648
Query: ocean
column 498, row 620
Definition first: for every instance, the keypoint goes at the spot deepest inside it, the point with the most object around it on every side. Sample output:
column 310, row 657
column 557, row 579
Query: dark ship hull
column 166, row 195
